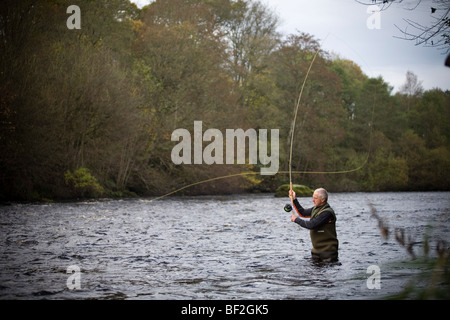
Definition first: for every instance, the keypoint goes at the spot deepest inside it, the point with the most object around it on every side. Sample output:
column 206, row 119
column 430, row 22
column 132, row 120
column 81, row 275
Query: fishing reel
column 288, row 208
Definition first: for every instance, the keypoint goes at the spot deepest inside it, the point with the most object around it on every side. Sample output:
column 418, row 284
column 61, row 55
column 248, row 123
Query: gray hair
column 323, row 194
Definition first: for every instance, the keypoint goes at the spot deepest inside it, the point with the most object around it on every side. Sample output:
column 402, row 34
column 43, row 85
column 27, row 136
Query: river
column 211, row 247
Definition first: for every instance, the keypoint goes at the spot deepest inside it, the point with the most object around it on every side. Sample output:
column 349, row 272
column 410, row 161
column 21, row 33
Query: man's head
column 320, row 197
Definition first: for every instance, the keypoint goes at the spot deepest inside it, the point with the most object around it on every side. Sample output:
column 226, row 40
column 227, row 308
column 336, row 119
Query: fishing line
column 295, row 117
column 291, row 172
column 253, row 173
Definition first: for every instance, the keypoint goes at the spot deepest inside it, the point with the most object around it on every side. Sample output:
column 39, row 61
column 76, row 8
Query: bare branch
column 436, row 34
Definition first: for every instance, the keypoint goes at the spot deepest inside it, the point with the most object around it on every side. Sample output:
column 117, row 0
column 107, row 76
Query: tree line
column 89, row 112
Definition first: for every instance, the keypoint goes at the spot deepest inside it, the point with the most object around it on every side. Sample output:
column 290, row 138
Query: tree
column 411, row 91
column 412, row 87
column 68, row 102
column 180, row 54
column 251, row 32
column 180, row 48
column 430, row 118
column 352, row 79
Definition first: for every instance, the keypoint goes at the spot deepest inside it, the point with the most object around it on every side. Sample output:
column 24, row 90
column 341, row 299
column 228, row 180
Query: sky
column 342, row 28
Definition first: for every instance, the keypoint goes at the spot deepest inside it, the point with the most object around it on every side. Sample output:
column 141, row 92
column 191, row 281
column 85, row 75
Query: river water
column 210, row 247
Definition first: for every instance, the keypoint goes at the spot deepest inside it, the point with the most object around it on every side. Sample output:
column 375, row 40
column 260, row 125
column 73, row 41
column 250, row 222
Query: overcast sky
column 342, row 28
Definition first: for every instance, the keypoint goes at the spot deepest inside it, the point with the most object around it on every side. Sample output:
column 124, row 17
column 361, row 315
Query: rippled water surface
column 215, row 247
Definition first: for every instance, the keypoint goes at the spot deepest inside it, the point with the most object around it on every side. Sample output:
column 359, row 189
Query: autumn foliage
column 103, row 100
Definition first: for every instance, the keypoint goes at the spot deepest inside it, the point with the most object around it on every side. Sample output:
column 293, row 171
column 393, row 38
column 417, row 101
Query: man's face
column 317, row 200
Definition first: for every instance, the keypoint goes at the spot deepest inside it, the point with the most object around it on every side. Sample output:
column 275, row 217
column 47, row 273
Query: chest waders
column 324, row 238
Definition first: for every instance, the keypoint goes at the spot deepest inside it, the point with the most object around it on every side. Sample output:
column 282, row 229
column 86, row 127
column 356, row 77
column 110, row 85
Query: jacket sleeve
column 305, row 213
column 317, row 222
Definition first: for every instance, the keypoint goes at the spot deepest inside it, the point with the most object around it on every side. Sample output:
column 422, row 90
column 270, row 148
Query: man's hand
column 293, row 217
column 292, row 195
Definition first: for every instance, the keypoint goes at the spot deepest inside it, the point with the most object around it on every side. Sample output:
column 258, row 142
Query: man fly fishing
column 322, row 225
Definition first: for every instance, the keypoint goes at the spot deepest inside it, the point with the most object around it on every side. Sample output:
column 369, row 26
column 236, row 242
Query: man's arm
column 304, row 213
column 321, row 219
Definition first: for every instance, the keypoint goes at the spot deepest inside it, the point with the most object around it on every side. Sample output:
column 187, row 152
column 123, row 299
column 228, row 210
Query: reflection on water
column 217, row 247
